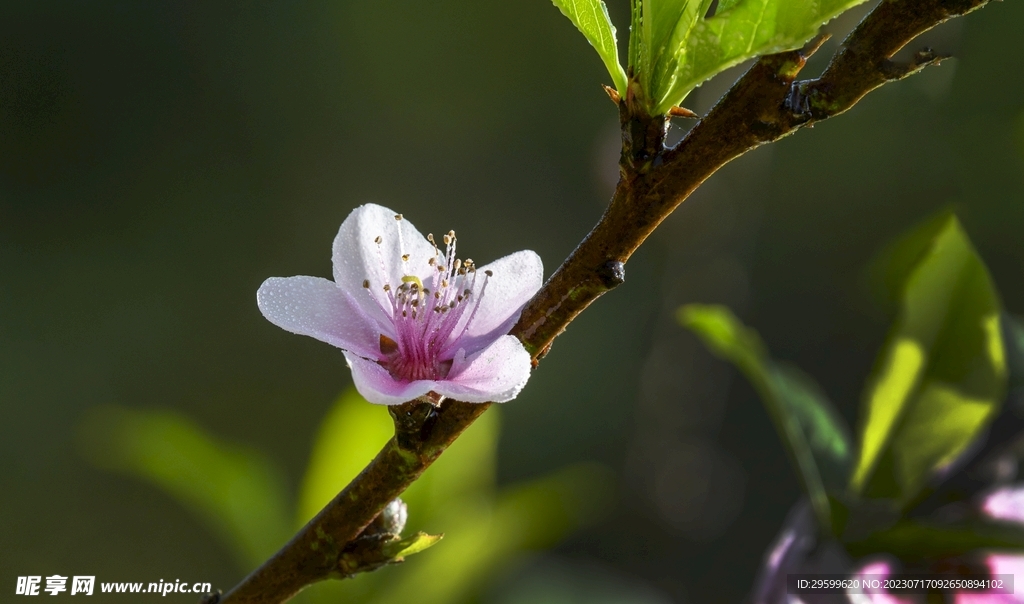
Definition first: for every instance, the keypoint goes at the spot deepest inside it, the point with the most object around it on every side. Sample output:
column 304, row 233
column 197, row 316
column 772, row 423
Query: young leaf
column 942, row 376
column 235, row 490
column 684, row 48
column 591, row 18
column 813, row 432
column 413, row 544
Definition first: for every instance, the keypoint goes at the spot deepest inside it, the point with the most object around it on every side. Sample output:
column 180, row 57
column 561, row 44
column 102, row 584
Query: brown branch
column 763, row 106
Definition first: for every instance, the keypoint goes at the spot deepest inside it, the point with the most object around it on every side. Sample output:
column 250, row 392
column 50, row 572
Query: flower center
column 429, row 315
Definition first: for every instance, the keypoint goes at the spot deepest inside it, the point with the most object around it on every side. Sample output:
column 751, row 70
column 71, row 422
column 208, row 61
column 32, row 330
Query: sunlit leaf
column 351, row 434
column 889, row 270
column 234, row 489
column 591, row 18
column 813, row 432
column 678, row 48
column 942, row 376
column 413, row 544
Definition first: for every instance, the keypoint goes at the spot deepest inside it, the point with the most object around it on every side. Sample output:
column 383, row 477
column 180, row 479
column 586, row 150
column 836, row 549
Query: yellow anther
column 412, row 279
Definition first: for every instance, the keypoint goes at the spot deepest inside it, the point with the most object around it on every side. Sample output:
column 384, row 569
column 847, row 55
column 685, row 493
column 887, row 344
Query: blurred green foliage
column 237, row 492
column 938, row 383
column 241, row 496
column 675, row 45
column 942, row 375
column 814, row 434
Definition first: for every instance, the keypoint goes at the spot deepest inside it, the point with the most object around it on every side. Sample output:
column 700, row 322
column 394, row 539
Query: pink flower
column 998, row 564
column 1005, row 504
column 412, row 321
column 878, row 569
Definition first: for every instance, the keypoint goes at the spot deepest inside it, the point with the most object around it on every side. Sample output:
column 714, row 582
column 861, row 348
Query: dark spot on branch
column 612, row 274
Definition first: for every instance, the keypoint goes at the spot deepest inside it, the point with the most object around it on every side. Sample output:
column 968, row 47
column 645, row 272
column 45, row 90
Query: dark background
column 158, row 160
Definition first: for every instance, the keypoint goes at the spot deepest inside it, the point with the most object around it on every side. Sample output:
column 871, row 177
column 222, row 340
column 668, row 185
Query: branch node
column 612, row 274
column 893, row 71
column 412, row 421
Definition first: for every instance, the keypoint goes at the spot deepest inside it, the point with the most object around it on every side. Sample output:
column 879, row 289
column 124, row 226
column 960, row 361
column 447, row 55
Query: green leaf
column 351, row 435
column 942, row 376
column 237, row 492
column 414, row 544
column 591, row 18
column 888, row 271
column 813, row 432
column 678, row 48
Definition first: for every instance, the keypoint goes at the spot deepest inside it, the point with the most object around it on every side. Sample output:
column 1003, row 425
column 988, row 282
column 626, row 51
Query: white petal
column 376, row 385
column 496, row 373
column 514, row 280
column 358, row 258
column 316, row 307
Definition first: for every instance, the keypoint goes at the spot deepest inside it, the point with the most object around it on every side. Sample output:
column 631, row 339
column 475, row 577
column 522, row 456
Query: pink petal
column 316, row 307
column 998, row 564
column 496, row 373
column 514, row 280
column 376, row 385
column 1006, row 503
column 357, row 257
column 983, row 598
column 878, row 569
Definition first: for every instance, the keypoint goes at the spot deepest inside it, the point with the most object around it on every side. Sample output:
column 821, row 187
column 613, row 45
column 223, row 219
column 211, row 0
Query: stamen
column 366, row 283
column 378, row 240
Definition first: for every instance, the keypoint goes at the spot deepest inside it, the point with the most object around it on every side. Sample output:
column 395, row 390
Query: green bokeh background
column 159, row 160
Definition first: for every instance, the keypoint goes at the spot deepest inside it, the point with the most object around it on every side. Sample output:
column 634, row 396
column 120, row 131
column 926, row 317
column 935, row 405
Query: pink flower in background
column 999, row 564
column 879, row 569
column 1006, row 504
column 412, row 320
